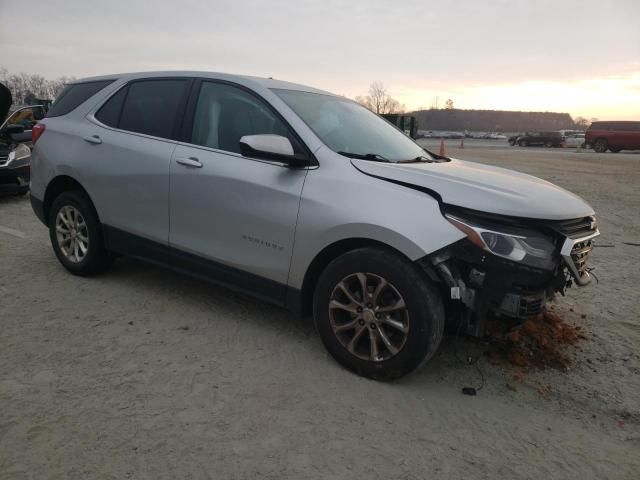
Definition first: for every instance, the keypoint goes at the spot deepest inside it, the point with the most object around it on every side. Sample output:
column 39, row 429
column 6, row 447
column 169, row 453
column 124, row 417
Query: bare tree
column 379, row 101
column 26, row 88
column 582, row 123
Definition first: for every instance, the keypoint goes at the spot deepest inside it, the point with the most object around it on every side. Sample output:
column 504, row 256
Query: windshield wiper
column 365, row 156
column 433, row 158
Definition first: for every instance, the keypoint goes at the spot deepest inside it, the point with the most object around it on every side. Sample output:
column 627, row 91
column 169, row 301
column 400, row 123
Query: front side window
column 150, row 106
column 349, row 128
column 224, row 114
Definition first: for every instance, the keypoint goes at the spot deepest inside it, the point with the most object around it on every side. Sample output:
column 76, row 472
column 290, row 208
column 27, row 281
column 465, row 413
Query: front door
column 232, row 217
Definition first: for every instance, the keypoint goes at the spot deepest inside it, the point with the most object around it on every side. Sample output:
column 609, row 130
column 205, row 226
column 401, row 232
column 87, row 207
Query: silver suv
column 304, row 199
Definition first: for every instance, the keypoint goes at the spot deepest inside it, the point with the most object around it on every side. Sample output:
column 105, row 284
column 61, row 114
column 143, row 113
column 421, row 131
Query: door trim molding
column 162, row 255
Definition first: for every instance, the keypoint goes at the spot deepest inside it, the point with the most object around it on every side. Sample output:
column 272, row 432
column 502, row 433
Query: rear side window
column 75, row 94
column 151, row 107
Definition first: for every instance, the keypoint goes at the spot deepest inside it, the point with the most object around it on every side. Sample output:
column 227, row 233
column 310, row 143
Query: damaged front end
column 509, row 266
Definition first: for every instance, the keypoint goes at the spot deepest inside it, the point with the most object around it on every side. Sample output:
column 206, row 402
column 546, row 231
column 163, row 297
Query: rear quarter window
column 74, row 95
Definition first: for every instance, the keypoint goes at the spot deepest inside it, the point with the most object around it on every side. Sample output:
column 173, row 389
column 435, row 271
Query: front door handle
column 189, row 162
column 95, row 139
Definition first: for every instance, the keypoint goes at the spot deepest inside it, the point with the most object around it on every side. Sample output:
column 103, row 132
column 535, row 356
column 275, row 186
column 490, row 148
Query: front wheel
column 523, row 143
column 76, row 234
column 377, row 313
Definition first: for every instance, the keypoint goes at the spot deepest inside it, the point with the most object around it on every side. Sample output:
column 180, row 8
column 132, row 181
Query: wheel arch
column 59, row 185
column 323, row 258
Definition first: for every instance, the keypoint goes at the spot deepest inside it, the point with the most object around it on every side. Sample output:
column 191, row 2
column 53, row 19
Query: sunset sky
column 581, row 57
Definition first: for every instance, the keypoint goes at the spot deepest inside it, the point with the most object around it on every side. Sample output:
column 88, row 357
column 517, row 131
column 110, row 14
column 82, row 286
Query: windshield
column 350, row 129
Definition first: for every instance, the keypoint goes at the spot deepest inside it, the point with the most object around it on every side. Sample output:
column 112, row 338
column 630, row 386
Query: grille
column 579, row 254
column 577, row 228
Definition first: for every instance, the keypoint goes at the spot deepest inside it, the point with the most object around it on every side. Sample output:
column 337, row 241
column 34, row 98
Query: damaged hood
column 484, row 188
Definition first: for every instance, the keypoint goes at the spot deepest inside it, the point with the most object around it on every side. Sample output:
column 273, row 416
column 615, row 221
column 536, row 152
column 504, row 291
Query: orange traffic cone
column 442, row 148
column 462, row 142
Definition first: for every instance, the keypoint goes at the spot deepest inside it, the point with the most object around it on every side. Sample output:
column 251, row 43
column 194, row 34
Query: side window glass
column 151, row 107
column 74, row 95
column 224, row 114
column 109, row 113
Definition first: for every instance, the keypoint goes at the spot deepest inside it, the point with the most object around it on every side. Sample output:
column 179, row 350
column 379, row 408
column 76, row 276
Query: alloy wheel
column 72, row 234
column 369, row 316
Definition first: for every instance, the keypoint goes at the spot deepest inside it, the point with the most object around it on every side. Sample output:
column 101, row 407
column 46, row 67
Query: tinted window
column 73, row 95
column 152, row 106
column 109, row 113
column 225, row 113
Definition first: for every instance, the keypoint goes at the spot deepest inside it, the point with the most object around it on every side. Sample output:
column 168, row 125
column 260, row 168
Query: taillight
column 37, row 131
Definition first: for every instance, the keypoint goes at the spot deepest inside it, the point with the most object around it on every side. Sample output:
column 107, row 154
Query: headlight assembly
column 527, row 247
column 19, row 155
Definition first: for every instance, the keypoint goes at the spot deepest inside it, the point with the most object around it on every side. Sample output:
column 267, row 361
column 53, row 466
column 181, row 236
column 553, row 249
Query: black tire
column 96, row 259
column 614, row 150
column 523, row 143
column 548, row 144
column 512, row 142
column 424, row 307
column 600, row 145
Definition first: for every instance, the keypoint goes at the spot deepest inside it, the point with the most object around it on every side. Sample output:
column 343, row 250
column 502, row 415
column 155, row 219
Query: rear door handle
column 95, row 139
column 189, row 162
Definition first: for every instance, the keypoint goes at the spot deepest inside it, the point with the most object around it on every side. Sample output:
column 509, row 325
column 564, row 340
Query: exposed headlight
column 528, row 247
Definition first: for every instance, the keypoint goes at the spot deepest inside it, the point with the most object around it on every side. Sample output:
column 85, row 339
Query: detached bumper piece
column 522, row 306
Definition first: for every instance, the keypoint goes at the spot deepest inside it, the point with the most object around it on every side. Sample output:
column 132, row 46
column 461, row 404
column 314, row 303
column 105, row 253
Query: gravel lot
column 141, row 373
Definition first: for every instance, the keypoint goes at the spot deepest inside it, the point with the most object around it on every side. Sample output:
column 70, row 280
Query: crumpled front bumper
column 483, row 283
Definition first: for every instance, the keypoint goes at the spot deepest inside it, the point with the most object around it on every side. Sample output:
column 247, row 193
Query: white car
column 574, row 140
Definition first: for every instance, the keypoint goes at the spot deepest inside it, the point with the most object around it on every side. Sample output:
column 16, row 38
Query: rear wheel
column 76, row 234
column 377, row 314
column 600, row 145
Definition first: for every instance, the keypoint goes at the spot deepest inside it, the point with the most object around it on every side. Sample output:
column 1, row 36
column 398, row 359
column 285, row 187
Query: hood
column 484, row 188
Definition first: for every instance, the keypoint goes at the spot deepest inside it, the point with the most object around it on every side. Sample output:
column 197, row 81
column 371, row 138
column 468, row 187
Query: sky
column 580, row 57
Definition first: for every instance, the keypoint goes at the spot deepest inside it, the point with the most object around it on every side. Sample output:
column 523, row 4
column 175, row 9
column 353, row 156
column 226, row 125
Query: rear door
column 127, row 149
column 233, row 218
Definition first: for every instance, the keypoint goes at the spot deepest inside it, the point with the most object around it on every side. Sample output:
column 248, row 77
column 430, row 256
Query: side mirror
column 271, row 147
column 14, row 129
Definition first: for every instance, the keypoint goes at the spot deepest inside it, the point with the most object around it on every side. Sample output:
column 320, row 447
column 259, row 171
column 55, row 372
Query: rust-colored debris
column 540, row 342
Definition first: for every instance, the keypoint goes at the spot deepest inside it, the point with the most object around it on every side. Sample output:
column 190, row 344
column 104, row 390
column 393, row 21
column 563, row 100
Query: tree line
column 381, row 102
column 25, row 88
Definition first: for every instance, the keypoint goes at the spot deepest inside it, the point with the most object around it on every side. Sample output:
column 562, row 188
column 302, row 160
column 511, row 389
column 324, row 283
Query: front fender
column 348, row 204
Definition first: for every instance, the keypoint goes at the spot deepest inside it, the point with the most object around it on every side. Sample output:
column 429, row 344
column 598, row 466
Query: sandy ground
column 145, row 374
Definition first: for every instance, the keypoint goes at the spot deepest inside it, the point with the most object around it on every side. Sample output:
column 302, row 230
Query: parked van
column 613, row 136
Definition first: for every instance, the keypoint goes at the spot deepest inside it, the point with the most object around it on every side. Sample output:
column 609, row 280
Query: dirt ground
column 144, row 374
